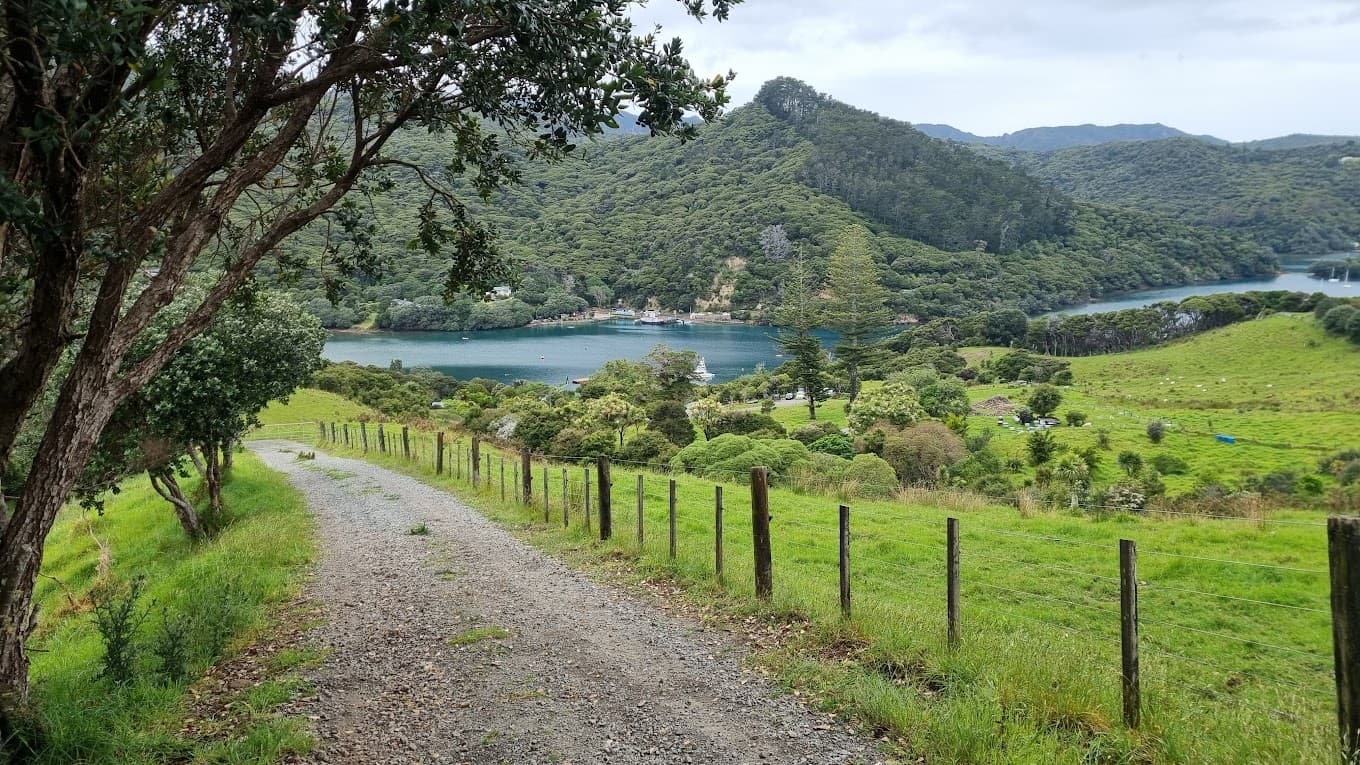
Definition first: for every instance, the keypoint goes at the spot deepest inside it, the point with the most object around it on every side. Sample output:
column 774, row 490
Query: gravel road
column 566, row 670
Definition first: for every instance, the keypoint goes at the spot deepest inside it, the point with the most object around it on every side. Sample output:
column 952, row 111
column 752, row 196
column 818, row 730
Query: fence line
column 650, row 511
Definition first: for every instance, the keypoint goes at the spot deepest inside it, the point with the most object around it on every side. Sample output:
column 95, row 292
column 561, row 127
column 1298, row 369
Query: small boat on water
column 655, row 317
column 1333, row 278
column 701, row 374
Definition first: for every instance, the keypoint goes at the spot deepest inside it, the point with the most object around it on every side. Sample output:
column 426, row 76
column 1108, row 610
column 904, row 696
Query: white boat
column 1348, row 278
column 701, row 374
column 1333, row 278
column 654, row 317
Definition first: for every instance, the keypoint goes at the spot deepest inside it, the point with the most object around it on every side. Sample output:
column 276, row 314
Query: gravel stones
column 469, row 646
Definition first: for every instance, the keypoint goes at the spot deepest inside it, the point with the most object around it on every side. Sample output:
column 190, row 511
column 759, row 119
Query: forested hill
column 1301, row 200
column 655, row 222
column 1064, row 136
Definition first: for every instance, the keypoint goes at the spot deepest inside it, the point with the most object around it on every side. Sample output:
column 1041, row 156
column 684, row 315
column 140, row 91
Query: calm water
column 555, row 354
column 1294, row 277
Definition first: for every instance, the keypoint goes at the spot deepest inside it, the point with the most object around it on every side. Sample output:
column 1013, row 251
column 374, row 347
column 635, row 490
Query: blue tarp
column 1226, row 439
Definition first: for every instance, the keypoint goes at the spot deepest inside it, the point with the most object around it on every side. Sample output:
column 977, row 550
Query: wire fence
column 1209, row 646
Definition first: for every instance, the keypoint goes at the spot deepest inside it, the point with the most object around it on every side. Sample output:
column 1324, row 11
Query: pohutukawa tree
column 142, row 142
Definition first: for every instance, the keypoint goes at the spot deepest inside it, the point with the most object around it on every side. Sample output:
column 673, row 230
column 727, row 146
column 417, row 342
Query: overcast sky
column 1237, row 69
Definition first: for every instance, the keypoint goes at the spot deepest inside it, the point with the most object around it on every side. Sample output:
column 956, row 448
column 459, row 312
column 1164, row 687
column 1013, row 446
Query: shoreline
column 590, row 319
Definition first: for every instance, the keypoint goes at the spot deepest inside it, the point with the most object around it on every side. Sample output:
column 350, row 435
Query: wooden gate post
column 672, row 518
column 1343, row 551
column 475, row 462
column 845, row 560
column 639, row 508
column 952, row 579
column 527, row 475
column 1128, row 630
column 439, row 453
column 760, row 531
column 717, row 532
column 606, row 498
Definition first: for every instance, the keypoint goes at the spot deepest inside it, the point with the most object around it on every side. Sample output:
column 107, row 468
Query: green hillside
column 1299, row 200
column 679, row 225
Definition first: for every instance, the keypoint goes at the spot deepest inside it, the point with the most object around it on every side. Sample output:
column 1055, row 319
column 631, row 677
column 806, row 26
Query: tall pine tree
column 797, row 315
column 858, row 305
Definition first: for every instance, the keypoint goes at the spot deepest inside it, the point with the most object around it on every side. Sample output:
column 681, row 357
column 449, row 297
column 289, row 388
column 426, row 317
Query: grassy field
column 1284, row 390
column 1236, row 633
column 309, row 405
column 229, row 584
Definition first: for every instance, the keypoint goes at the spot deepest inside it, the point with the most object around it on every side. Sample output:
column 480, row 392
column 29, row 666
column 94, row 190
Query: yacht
column 701, row 374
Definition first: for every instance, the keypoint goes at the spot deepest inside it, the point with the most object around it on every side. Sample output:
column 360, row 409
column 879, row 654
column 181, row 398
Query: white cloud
column 1238, row 69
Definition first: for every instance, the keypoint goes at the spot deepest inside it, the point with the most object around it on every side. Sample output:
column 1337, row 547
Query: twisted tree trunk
column 166, row 485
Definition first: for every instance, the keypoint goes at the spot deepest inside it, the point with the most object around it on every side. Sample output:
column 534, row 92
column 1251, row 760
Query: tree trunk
column 228, row 449
column 213, row 478
column 198, row 462
column 812, row 407
column 165, row 484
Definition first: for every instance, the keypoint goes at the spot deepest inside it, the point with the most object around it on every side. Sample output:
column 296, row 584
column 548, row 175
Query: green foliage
column 1156, row 431
column 1026, row 365
column 391, row 392
column 1040, row 446
column 648, row 446
column 920, row 453
column 1075, row 418
column 857, row 307
column 813, row 431
column 1169, row 464
column 1302, row 200
column 838, row 444
column 1044, row 400
column 730, row 455
column 1130, row 462
column 871, row 476
column 744, row 423
column 118, row 615
column 944, row 397
column 894, row 403
column 670, row 420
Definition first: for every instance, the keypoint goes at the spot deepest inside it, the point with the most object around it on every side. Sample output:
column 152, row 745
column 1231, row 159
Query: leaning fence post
column 363, row 435
column 527, row 475
column 606, row 498
column 952, row 578
column 566, row 500
column 845, row 560
column 760, row 531
column 1128, row 629
column 672, row 518
column 475, row 462
column 717, row 532
column 439, row 453
column 639, row 505
column 1343, row 552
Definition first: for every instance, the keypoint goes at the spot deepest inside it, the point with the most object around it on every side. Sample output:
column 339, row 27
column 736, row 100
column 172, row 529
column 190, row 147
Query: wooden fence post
column 527, row 476
column 566, row 501
column 363, row 435
column 344, row 429
column 406, row 442
column 332, row 432
column 718, row 532
column 760, row 531
column 1343, row 552
column 439, row 453
column 382, row 439
column 458, row 467
column 547, row 496
column 845, row 560
column 488, row 469
column 639, row 508
column 514, row 479
column 672, row 517
column 586, row 505
column 322, row 425
column 952, row 579
column 606, row 498
column 502, row 477
column 475, row 462
column 1128, row 630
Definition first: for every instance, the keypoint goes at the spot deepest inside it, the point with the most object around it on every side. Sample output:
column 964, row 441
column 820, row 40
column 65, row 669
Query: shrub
column 920, row 452
column 1041, row 446
column 1169, row 464
column 1130, row 462
column 1025, row 415
column 648, row 446
column 1156, row 430
column 1127, row 496
column 730, row 453
column 1044, row 400
column 943, row 397
column 838, row 444
column 813, row 431
column 670, row 420
column 118, row 616
column 171, row 645
column 1103, row 438
column 894, row 403
column 822, row 474
column 871, row 476
column 744, row 424
column 1349, row 473
column 1076, row 419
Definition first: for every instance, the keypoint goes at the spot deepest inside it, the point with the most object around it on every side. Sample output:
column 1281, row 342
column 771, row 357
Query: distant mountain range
column 1067, row 136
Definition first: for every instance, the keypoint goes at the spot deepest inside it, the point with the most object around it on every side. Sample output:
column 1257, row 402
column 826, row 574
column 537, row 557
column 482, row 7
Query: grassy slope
column 263, row 550
column 1036, row 678
column 1280, row 386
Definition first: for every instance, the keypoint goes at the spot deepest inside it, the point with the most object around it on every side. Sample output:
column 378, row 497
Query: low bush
column 744, row 424
column 1170, row 464
column 838, row 444
column 870, row 476
column 733, row 455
